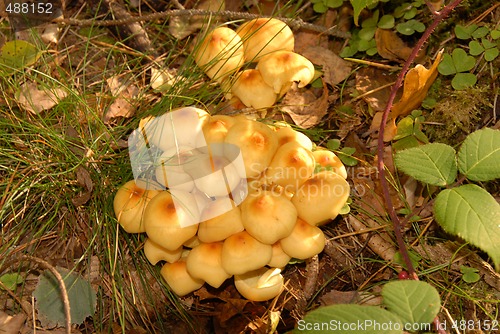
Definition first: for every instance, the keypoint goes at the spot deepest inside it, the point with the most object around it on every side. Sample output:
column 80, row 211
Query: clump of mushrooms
column 234, row 198
column 269, row 43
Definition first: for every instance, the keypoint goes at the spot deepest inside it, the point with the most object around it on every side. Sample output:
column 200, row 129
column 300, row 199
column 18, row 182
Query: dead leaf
column 11, row 324
column 85, row 180
column 335, row 69
column 390, row 46
column 37, row 100
column 122, row 106
column 368, row 82
column 339, row 297
column 305, row 109
column 417, row 82
column 182, row 26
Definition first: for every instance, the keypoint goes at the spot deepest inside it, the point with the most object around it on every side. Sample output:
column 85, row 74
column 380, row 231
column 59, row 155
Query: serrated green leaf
column 415, row 302
column 358, row 6
column 475, row 48
column 349, row 319
column 463, row 80
column 462, row 61
column 471, row 213
column 479, row 155
column 434, row 163
column 11, row 280
column 82, row 298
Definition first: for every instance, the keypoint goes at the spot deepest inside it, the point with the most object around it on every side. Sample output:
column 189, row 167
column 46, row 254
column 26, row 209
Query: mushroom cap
column 224, row 222
column 264, row 35
column 165, row 217
column 279, row 259
column 260, row 285
column 304, row 242
column 155, row 253
column 220, row 53
column 179, row 127
column 205, row 262
column 178, row 279
column 328, row 159
column 253, row 91
column 257, row 143
column 281, row 68
column 286, row 134
column 129, row 205
column 268, row 216
column 242, row 253
column 216, row 128
column 291, row 166
column 170, row 171
column 320, row 198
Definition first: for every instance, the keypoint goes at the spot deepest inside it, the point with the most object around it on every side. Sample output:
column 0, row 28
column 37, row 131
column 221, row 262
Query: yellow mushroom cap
column 216, row 128
column 178, row 278
column 205, row 262
column 129, row 205
column 155, row 253
column 253, row 91
column 320, row 198
column 164, row 219
column 264, row 35
column 225, row 221
column 304, row 242
column 281, row 68
column 291, row 166
column 220, row 54
column 260, row 285
column 268, row 216
column 257, row 143
column 328, row 159
column 279, row 259
column 242, row 253
column 286, row 134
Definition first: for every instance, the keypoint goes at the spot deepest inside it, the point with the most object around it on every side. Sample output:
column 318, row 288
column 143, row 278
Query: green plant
column 469, row 275
column 459, row 64
column 468, row 210
column 344, row 153
column 321, row 6
column 409, row 132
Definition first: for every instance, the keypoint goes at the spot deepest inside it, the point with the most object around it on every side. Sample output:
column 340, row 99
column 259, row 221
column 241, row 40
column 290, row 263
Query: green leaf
column 320, row 7
column 417, row 303
column 463, row 32
column 446, row 66
column 479, row 155
column 16, row 55
column 431, row 163
column 334, row 3
column 409, row 27
column 82, row 298
column 415, row 258
column 333, row 144
column 463, row 80
column 386, row 22
column 491, row 54
column 405, row 128
column 480, row 32
column 358, row 6
column 405, row 143
column 367, row 34
column 349, row 319
column 475, row 48
column 11, row 280
column 469, row 275
column 471, row 213
column 462, row 61
column 495, row 34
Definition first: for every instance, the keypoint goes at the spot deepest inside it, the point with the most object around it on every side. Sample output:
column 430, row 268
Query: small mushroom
column 328, row 159
column 178, row 278
column 129, row 205
column 253, row 91
column 216, row 128
column 286, row 134
column 281, row 68
column 204, row 262
column 320, row 198
column 264, row 35
column 268, row 216
column 257, row 143
column 220, row 54
column 225, row 221
column 260, row 285
column 170, row 220
column 242, row 253
column 304, row 242
column 155, row 253
column 279, row 259
column 291, row 166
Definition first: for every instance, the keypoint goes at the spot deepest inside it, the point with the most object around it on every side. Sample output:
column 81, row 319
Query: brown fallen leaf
column 84, row 180
column 417, row 82
column 335, row 69
column 123, row 105
column 390, row 46
column 368, row 83
column 305, row 109
column 37, row 100
column 11, row 324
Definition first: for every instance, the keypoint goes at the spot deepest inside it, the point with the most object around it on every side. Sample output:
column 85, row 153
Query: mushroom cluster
column 266, row 42
column 204, row 230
